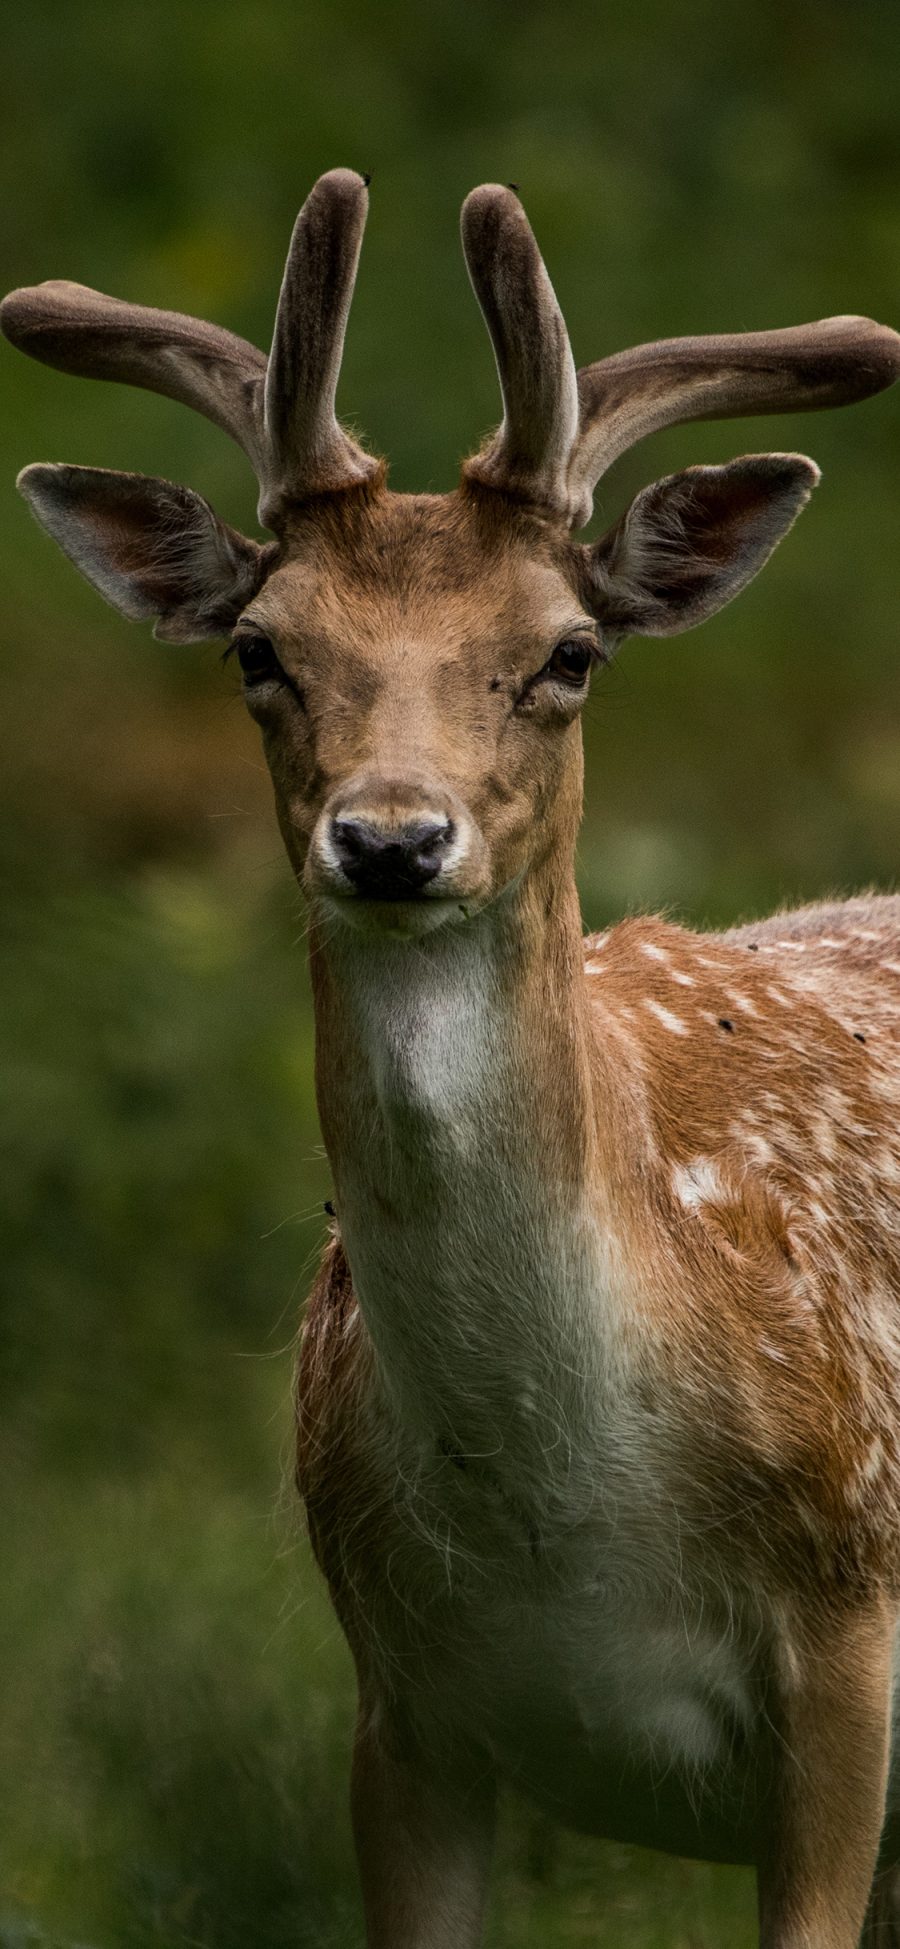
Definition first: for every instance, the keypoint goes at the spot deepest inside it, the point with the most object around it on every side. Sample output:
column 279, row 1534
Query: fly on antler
column 599, row 1388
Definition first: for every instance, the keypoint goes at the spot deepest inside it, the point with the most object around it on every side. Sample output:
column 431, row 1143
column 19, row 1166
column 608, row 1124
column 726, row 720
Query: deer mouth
column 381, row 916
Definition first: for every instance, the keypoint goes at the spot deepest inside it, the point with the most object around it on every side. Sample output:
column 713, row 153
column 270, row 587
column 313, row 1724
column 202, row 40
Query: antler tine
column 308, row 451
column 96, row 337
column 529, row 455
column 624, row 398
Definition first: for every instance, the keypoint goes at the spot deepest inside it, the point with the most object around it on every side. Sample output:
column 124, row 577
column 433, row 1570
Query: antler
column 623, row 398
column 308, row 452
column 280, row 411
column 529, row 455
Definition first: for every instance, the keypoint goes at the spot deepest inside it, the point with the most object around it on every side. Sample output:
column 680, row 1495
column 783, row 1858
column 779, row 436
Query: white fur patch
column 698, row 1183
column 874, row 1461
column 758, row 1147
column 673, row 1023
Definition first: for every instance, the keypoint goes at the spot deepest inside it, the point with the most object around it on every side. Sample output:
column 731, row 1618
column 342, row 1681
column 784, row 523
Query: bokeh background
column 175, row 1701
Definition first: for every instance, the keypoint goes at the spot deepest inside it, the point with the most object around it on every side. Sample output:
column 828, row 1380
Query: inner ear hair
column 692, row 541
column 154, row 549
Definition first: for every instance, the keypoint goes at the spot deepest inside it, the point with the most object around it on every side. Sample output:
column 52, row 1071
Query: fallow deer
column 599, row 1389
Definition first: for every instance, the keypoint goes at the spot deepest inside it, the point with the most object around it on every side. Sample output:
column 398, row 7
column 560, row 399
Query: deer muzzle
column 396, row 842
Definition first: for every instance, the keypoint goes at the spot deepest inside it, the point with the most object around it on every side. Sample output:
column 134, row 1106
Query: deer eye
column 259, row 664
column 571, row 660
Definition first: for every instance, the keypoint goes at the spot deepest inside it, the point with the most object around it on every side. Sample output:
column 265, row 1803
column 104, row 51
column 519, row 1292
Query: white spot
column 653, row 952
column 778, row 995
column 813, row 1522
column 743, row 1003
column 823, row 1133
column 686, row 980
column 698, row 1183
column 794, row 947
column 893, row 967
column 594, row 967
column 669, row 1021
column 774, row 1353
column 874, row 1461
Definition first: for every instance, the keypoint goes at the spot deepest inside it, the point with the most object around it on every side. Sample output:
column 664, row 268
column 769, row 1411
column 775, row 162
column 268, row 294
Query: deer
column 598, row 1392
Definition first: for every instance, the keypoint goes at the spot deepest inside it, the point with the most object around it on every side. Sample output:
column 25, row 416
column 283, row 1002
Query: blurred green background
column 175, row 1700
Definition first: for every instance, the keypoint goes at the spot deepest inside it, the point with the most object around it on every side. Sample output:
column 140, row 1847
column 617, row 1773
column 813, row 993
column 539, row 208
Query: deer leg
column 423, row 1835
column 831, row 1721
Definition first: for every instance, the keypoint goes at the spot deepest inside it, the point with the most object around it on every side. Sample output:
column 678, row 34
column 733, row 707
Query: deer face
column 417, row 665
column 417, row 670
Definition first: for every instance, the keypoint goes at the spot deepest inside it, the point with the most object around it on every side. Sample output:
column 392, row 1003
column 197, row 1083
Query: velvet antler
column 552, row 452
column 280, row 411
column 530, row 453
column 307, row 450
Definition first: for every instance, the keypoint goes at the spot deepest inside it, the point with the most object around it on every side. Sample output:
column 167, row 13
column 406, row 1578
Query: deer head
column 418, row 664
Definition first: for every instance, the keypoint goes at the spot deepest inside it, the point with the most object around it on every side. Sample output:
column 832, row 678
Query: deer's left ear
column 690, row 542
column 151, row 548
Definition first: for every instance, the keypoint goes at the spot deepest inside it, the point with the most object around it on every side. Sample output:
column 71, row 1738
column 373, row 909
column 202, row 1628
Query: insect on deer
column 599, row 1389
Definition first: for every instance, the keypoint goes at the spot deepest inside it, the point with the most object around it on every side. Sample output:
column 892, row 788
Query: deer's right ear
column 151, row 548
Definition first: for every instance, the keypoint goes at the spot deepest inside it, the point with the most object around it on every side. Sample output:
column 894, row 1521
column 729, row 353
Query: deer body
column 599, row 1388
column 539, row 1603
column 576, row 1582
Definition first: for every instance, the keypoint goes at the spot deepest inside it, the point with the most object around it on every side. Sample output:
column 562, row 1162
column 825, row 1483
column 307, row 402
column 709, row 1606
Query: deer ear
column 151, row 548
column 690, row 542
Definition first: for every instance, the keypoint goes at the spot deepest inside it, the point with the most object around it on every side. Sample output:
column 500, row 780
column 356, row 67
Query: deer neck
column 458, row 1084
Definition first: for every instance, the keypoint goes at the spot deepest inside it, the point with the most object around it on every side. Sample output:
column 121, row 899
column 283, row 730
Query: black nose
column 393, row 865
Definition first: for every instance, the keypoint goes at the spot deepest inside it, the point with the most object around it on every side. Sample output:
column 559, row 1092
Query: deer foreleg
column 831, row 1720
column 424, row 1835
